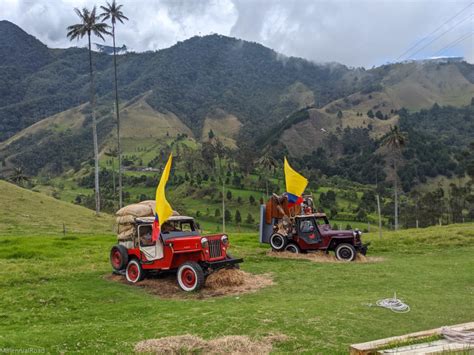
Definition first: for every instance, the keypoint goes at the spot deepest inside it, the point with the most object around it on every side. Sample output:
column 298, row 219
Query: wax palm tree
column 90, row 25
column 395, row 141
column 113, row 12
column 269, row 166
column 112, row 153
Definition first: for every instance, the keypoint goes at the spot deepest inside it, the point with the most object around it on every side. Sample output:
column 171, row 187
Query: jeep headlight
column 225, row 240
column 204, row 242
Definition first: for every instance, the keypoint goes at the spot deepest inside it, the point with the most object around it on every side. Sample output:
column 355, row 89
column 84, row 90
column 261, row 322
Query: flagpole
column 223, row 206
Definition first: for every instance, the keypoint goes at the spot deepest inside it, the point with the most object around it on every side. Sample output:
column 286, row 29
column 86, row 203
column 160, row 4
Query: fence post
column 380, row 215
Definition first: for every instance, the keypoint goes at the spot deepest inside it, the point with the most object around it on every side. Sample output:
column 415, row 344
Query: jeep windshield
column 323, row 223
column 174, row 228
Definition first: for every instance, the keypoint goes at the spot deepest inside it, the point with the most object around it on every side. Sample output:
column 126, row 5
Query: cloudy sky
column 355, row 33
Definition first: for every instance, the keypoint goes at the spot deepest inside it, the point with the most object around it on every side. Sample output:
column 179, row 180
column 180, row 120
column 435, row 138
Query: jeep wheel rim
column 292, row 249
column 345, row 253
column 133, row 272
column 188, row 278
column 277, row 242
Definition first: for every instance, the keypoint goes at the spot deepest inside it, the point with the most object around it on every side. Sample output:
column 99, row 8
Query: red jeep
column 310, row 232
column 180, row 248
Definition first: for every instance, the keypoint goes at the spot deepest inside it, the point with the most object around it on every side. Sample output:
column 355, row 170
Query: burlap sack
column 127, row 219
column 127, row 235
column 121, row 228
column 149, row 203
column 136, row 210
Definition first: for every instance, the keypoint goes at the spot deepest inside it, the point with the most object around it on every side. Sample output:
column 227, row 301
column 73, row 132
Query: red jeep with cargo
column 180, row 248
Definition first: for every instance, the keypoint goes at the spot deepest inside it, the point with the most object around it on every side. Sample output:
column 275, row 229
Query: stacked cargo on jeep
column 180, row 248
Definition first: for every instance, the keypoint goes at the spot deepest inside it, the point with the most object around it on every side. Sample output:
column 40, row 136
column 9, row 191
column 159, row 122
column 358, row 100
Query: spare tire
column 118, row 257
column 278, row 242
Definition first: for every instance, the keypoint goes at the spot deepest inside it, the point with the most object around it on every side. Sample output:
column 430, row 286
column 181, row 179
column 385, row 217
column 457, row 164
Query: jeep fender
column 335, row 241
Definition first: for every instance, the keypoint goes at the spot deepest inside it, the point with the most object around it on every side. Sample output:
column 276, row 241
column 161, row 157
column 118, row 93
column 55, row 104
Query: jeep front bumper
column 216, row 265
column 362, row 248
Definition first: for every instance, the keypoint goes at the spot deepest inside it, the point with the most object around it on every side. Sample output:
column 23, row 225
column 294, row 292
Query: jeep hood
column 327, row 231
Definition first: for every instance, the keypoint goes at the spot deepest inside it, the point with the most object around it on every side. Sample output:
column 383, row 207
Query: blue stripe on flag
column 292, row 198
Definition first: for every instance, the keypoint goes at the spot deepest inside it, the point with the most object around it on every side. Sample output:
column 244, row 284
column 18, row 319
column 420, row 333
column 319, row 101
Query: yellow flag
column 163, row 208
column 295, row 182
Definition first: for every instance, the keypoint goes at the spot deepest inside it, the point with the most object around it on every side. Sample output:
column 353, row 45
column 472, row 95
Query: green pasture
column 54, row 295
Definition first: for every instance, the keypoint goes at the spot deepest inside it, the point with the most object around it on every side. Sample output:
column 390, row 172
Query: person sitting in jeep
column 168, row 227
column 145, row 237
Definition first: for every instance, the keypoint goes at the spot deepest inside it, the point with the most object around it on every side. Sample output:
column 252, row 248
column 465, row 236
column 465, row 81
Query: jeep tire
column 134, row 271
column 190, row 276
column 345, row 252
column 293, row 248
column 118, row 257
column 278, row 242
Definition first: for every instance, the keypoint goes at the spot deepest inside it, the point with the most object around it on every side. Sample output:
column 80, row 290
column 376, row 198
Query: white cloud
column 356, row 33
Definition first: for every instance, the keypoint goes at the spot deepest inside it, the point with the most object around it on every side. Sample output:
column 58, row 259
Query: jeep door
column 308, row 231
column 149, row 249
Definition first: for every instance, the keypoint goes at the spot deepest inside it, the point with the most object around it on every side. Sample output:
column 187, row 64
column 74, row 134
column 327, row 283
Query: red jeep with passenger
column 301, row 229
column 180, row 248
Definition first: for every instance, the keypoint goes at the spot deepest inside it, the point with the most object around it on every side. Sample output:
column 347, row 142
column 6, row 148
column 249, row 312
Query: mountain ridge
column 211, row 72
column 242, row 91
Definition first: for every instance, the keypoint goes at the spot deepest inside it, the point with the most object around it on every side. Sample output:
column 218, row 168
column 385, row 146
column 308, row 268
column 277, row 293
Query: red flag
column 156, row 229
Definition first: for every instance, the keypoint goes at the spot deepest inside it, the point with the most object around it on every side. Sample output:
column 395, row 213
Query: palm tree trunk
column 380, row 215
column 119, row 152
column 94, row 131
column 113, row 175
column 396, row 195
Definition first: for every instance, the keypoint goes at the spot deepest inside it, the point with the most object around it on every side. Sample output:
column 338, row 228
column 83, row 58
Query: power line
column 455, row 42
column 439, row 36
column 433, row 32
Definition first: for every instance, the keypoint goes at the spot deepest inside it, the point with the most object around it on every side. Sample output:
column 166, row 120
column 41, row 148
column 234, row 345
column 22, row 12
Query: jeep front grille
column 215, row 249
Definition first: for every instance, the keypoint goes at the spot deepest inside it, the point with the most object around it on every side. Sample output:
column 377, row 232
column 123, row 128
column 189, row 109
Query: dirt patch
column 225, row 282
column 322, row 257
column 187, row 344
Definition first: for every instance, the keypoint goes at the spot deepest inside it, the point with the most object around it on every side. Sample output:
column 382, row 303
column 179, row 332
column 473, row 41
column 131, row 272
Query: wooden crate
column 433, row 347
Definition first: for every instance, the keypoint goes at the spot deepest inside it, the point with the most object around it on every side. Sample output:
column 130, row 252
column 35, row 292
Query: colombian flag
column 295, row 184
column 163, row 209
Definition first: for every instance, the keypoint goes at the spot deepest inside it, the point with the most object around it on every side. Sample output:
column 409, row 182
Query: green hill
column 242, row 91
column 28, row 212
column 192, row 79
column 327, row 118
column 413, row 86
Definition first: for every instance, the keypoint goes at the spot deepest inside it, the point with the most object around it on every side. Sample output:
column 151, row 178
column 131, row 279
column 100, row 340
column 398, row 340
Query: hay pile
column 126, row 217
column 322, row 257
column 226, row 278
column 225, row 282
column 191, row 344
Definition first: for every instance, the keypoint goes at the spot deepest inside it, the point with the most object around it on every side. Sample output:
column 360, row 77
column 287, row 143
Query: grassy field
column 53, row 295
column 27, row 212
